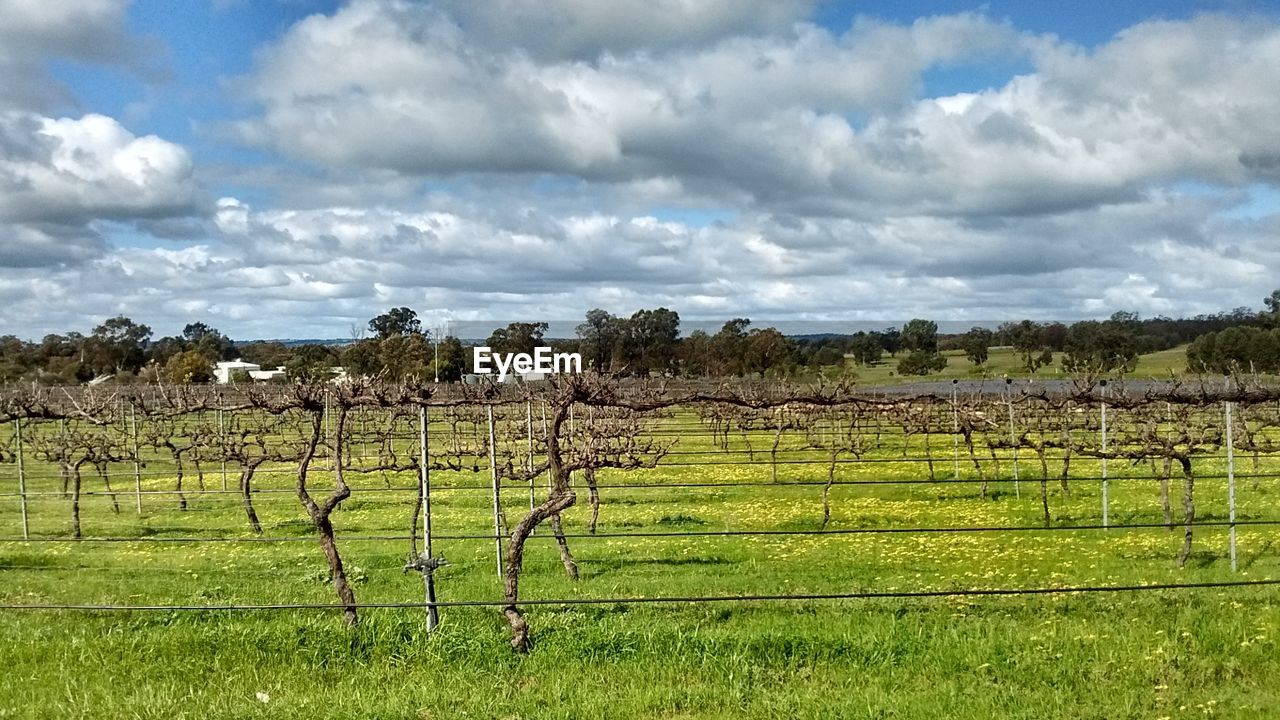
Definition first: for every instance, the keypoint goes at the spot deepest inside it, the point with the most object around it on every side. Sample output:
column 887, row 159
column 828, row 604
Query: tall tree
column 727, row 347
column 206, row 340
column 518, row 337
column 890, row 340
column 697, row 354
column 452, row 359
column 406, row 357
column 601, row 336
column 119, row 345
column 767, row 351
column 652, row 339
column 1271, row 316
column 188, row 366
column 1028, row 339
column 920, row 338
column 866, row 348
column 976, row 344
column 920, row 335
column 310, row 362
column 1101, row 347
column 396, row 322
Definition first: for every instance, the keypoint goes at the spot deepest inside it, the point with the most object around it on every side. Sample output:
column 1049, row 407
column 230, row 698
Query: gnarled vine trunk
column 320, row 512
column 246, row 493
column 1188, row 509
column 560, row 498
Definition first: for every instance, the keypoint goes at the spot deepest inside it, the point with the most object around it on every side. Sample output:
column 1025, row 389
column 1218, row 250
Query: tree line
column 648, row 343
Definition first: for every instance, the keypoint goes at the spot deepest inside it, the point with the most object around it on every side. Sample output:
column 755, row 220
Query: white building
column 279, row 372
column 227, row 368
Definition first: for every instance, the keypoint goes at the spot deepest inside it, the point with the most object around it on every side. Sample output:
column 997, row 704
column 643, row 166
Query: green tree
column 767, row 351
column 1100, row 347
column 310, row 362
column 921, row 362
column 517, row 337
column 1200, row 353
column 362, row 358
column 920, row 335
column 452, row 359
column 727, row 348
column 1265, row 355
column 405, row 357
column 396, row 322
column 865, row 348
column 1272, row 302
column 1028, row 339
column 188, row 366
column 118, row 345
column 651, row 341
column 601, row 335
column 697, row 354
column 208, row 341
column 976, row 344
column 890, row 339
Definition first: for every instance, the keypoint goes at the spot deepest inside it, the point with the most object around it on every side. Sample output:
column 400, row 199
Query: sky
column 291, row 168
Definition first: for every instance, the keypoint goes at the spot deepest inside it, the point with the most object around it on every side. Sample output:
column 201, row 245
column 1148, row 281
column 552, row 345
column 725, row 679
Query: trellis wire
column 432, row 603
column 881, row 530
column 643, row 600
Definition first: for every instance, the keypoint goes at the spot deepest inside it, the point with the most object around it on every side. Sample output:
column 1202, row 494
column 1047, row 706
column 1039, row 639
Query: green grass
column 1173, row 654
column 1004, row 362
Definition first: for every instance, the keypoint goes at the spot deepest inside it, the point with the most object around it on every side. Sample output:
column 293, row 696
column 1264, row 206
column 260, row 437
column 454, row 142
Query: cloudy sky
column 289, row 168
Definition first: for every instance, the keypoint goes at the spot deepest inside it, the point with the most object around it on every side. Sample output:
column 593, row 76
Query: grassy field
column 1156, row 654
column 1004, row 362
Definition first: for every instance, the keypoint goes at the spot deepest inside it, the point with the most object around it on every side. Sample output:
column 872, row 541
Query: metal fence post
column 497, row 507
column 327, row 427
column 1105, row 498
column 1013, row 440
column 1231, row 485
column 137, row 459
column 222, row 440
column 528, row 416
column 22, row 477
column 424, row 476
column 955, row 430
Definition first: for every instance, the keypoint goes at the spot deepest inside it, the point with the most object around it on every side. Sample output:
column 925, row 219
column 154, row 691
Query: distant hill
column 293, row 342
column 811, row 337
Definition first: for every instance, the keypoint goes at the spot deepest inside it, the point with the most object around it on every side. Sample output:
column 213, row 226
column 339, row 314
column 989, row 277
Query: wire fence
column 986, row 444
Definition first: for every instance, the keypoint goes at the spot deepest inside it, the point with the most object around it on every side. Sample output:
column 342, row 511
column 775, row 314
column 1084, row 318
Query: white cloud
column 31, row 31
column 89, row 167
column 797, row 118
column 525, row 160
column 416, row 93
column 584, row 29
column 61, row 177
column 317, row 272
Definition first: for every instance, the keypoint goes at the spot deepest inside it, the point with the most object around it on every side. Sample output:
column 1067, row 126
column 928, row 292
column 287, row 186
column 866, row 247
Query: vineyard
column 444, row 512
